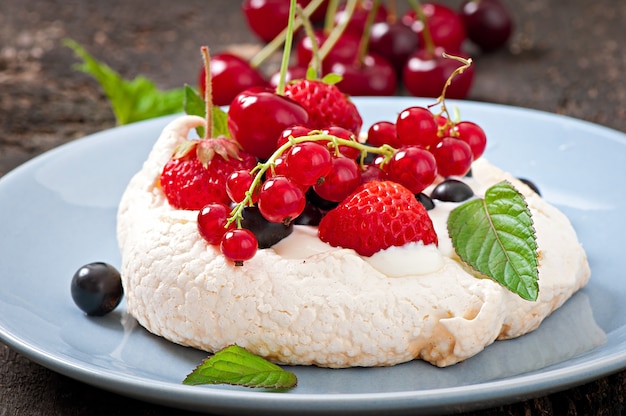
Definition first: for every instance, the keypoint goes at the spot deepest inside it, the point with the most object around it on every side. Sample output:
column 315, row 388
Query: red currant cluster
column 331, row 164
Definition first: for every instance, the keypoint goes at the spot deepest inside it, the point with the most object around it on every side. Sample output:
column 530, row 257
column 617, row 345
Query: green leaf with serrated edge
column 195, row 106
column 332, row 78
column 237, row 366
column 496, row 237
column 130, row 101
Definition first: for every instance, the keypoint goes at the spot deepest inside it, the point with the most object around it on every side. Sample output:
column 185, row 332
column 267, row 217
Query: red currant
column 416, row 126
column 238, row 183
column 454, row 157
column 373, row 173
column 340, row 132
column 383, row 132
column 472, row 134
column 341, row 181
column 212, row 220
column 293, row 131
column 239, row 245
column 307, row 162
column 413, row 167
column 281, row 200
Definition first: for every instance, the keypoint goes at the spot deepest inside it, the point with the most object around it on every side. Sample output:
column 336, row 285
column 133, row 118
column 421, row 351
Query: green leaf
column 237, row 366
column 194, row 105
column 495, row 236
column 130, row 101
column 332, row 78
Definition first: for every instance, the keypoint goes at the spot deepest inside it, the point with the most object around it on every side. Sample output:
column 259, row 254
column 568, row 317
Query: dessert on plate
column 375, row 274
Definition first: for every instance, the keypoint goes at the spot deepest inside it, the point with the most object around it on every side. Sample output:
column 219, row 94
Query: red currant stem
column 337, row 31
column 278, row 41
column 236, row 215
column 316, row 64
column 208, row 93
column 441, row 100
column 280, row 88
column 365, row 37
column 428, row 39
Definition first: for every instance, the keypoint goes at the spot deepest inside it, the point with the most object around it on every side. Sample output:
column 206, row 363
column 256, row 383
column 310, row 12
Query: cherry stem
column 329, row 20
column 365, row 37
column 392, row 11
column 280, row 88
column 337, row 31
column 208, row 93
column 278, row 41
column 315, row 64
column 429, row 45
column 236, row 215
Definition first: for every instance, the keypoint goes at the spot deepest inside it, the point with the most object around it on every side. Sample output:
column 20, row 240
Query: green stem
column 365, row 37
column 280, row 88
column 315, row 63
column 428, row 39
column 278, row 41
column 335, row 34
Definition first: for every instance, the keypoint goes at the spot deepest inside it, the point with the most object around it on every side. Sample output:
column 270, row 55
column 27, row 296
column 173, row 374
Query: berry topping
column 239, row 245
column 97, row 288
column 452, row 190
column 378, row 215
column 326, row 104
column 213, row 222
column 267, row 233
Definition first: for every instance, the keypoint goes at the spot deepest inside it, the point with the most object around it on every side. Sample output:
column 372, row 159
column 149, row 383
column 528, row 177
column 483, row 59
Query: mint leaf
column 237, row 366
column 495, row 236
column 130, row 101
column 195, row 106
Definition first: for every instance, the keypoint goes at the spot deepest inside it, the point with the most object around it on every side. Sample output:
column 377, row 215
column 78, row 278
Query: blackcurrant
column 267, row 233
column 531, row 185
column 97, row 288
column 452, row 190
column 425, row 200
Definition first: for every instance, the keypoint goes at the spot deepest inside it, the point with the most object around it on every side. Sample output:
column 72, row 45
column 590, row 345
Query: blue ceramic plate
column 58, row 213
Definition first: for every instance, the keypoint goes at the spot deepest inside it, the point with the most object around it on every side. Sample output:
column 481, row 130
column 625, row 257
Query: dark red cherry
column 425, row 75
column 345, row 50
column 445, row 25
column 230, row 75
column 488, row 23
column 394, row 41
column 258, row 116
column 375, row 76
column 267, row 18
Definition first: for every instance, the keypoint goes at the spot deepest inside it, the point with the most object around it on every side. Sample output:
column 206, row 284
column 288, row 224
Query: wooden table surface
column 565, row 57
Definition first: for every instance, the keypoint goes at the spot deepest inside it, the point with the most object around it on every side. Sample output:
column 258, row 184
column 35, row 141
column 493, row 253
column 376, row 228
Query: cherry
column 426, row 74
column 488, row 23
column 281, row 200
column 212, row 219
column 344, row 50
column 358, row 19
column 393, row 41
column 445, row 26
column 267, row 18
column 413, row 167
column 374, row 76
column 230, row 75
column 293, row 73
column 239, row 245
column 417, row 126
column 257, row 116
column 454, row 157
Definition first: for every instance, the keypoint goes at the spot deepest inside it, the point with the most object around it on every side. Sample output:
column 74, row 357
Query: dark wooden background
column 566, row 57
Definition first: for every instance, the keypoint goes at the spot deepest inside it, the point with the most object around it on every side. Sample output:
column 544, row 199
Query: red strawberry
column 376, row 216
column 326, row 104
column 196, row 174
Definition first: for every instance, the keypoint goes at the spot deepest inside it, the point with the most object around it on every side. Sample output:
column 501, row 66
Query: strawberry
column 326, row 104
column 197, row 172
column 378, row 215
